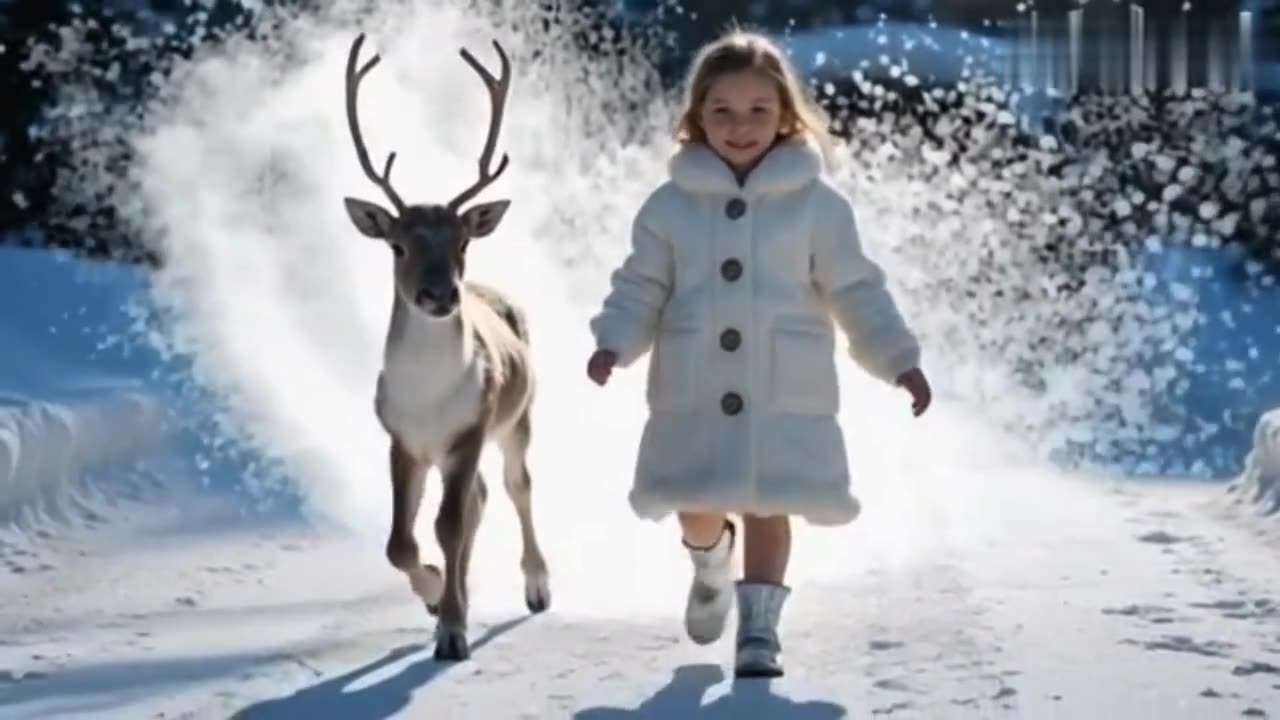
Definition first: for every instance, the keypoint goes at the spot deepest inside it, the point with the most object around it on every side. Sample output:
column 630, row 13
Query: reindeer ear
column 371, row 219
column 480, row 220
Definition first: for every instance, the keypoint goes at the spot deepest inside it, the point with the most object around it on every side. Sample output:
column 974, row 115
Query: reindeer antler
column 498, row 99
column 353, row 79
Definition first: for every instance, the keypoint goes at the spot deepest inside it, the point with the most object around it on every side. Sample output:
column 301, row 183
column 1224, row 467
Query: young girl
column 737, row 263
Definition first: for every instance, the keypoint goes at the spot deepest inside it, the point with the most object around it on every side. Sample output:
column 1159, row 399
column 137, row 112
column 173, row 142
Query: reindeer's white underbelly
column 426, row 409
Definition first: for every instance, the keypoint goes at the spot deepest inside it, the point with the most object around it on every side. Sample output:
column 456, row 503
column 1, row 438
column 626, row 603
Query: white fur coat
column 733, row 289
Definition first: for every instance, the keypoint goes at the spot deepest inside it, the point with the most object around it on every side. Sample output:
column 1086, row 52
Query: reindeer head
column 429, row 240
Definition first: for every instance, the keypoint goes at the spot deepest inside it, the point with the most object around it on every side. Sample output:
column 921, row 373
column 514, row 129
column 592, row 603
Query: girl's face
column 741, row 117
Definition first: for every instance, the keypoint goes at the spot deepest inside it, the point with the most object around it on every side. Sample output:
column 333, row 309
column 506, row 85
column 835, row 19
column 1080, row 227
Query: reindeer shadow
column 383, row 699
column 681, row 699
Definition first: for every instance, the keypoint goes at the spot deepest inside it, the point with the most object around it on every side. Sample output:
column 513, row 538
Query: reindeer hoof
column 451, row 646
column 537, row 594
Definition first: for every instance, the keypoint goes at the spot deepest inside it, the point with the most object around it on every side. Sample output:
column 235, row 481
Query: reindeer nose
column 434, row 296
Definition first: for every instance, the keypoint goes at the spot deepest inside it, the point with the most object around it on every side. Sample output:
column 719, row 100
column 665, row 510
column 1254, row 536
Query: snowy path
column 1062, row 600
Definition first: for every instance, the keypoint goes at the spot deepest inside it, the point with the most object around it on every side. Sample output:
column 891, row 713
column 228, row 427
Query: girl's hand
column 916, row 384
column 600, row 366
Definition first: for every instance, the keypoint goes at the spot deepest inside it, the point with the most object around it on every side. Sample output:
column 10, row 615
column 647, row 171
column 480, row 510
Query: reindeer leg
column 480, row 498
column 455, row 530
column 519, row 486
column 408, row 476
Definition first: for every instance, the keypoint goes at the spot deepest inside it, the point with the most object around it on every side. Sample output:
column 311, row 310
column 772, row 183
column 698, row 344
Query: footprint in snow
column 1160, row 537
column 1182, row 643
column 1158, row 614
column 1255, row 667
column 9, row 677
column 879, row 645
column 1004, row 692
column 893, row 684
column 1242, row 608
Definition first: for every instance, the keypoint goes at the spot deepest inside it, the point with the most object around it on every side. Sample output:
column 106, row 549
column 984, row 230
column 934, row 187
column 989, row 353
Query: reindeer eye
column 398, row 249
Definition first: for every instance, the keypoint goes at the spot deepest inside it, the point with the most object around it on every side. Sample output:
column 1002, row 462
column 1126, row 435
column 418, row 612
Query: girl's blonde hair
column 739, row 50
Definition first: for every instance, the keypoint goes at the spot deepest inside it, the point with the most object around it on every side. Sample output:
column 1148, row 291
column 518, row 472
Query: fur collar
column 787, row 166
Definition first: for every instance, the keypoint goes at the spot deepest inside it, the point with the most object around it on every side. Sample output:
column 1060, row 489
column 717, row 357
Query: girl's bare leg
column 701, row 530
column 766, row 549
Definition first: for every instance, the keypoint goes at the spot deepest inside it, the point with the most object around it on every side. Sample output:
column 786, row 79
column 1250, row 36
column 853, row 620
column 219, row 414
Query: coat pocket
column 803, row 372
column 673, row 370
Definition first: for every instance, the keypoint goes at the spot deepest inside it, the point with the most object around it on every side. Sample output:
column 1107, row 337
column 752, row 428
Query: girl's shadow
column 747, row 700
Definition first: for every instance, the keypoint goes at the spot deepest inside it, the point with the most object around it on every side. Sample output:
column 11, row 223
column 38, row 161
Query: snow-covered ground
column 1257, row 490
column 976, row 586
column 142, row 576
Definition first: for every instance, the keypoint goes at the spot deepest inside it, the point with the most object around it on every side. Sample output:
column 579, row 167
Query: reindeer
column 456, row 373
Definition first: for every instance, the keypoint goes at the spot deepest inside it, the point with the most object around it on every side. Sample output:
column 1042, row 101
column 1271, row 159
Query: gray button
column 735, row 208
column 730, row 340
column 731, row 269
column 731, row 403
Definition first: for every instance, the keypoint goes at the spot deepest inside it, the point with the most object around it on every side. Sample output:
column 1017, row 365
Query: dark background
column 31, row 213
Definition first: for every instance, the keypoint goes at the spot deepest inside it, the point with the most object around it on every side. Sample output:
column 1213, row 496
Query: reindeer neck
column 416, row 338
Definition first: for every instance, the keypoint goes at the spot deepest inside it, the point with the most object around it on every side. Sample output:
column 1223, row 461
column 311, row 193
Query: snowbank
column 1227, row 374
column 1259, row 484
column 75, row 409
column 48, row 449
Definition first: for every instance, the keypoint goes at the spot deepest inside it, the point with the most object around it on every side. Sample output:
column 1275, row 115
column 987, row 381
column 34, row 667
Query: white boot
column 711, row 592
column 759, row 651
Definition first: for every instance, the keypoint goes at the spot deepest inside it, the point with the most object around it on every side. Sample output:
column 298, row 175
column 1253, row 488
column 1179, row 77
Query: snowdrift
column 77, row 407
column 1231, row 377
column 48, row 449
column 1259, row 484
